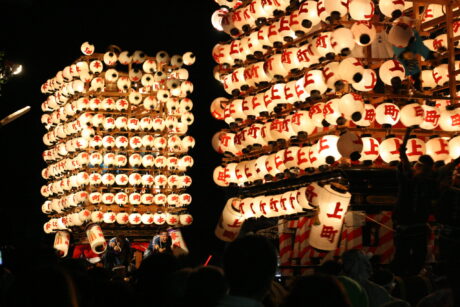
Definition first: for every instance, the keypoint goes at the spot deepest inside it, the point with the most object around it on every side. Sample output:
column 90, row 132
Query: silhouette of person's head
column 206, row 286
column 250, row 264
column 317, row 290
column 356, row 265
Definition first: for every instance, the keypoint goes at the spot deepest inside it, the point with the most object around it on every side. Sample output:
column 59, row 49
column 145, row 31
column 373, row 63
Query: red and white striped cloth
column 286, row 233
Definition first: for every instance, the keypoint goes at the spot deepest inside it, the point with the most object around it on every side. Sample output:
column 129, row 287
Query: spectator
column 249, row 264
column 317, row 290
column 206, row 287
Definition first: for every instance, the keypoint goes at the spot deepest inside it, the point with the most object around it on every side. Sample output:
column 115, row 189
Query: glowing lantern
column 387, row 114
column 159, row 218
column 352, row 106
column 368, row 117
column 450, row 119
column 331, row 76
column 96, row 216
column 271, row 165
column 314, row 83
column 316, row 114
column 230, row 222
column 240, row 174
column 351, row 70
column 327, row 152
column 412, row 115
column 361, row 9
column 323, row 46
column 454, row 147
column 392, row 9
column 135, row 218
column 415, row 149
column 330, row 10
column 221, row 176
column 342, row 41
column 302, row 199
column 290, row 158
column 389, row 149
column 441, row 74
column 303, row 158
column 218, row 107
column 302, row 124
column 440, row 43
column 147, row 218
column 370, row 151
column 333, row 204
column 332, row 114
column 392, row 73
column 428, row 81
column 96, row 238
column 350, row 145
column 122, row 218
column 308, row 14
column 431, row 117
column 368, row 81
column 438, row 149
column 61, row 243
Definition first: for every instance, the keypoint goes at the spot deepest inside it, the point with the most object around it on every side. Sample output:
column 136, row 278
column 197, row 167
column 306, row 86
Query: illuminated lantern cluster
column 306, row 83
column 117, row 144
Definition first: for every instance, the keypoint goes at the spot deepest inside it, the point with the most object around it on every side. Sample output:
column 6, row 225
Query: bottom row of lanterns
column 122, row 218
column 330, row 202
column 97, row 240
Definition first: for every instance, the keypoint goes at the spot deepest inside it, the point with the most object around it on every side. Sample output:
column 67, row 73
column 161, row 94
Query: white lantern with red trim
column 332, row 10
column 370, row 151
column 331, row 76
column 389, row 149
column 361, row 9
column 314, row 83
column 368, row 116
column 387, row 114
column 308, row 14
column 220, row 176
column 303, row 158
column 159, row 218
column 428, row 80
column 327, row 151
column 135, row 218
column 342, row 41
column 290, row 158
column 271, row 165
column 122, row 218
column 454, row 147
column 61, row 243
column 332, row 114
column 431, row 117
column 441, row 74
column 390, row 8
column 302, row 199
column 412, row 115
column 438, row 149
column 367, row 82
column 316, row 114
column 364, row 32
column 301, row 123
column 261, row 168
column 333, row 204
column 147, row 218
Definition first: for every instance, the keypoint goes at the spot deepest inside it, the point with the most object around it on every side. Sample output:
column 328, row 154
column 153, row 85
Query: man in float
column 417, row 191
column 161, row 243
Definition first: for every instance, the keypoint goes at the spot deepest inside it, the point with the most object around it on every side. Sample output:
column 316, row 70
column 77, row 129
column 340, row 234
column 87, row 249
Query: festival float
column 117, row 148
column 317, row 98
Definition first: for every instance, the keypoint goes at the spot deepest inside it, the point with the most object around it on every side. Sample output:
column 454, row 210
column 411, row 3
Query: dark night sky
column 45, row 36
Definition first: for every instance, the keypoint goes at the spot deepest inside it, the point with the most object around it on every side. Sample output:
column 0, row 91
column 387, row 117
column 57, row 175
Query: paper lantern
column 230, row 222
column 361, row 9
column 301, row 123
column 135, row 218
column 271, row 165
column 368, row 116
column 427, row 78
column 303, row 158
column 122, row 218
column 227, row 144
column 96, row 238
column 331, row 76
column 389, row 149
column 370, row 151
column 277, row 98
column 290, row 158
column 392, row 9
column 352, row 106
column 342, row 41
column 87, row 48
column 387, row 114
column 331, row 10
column 108, row 198
column 351, row 70
column 147, row 198
column 316, row 114
column 368, row 81
column 96, row 216
column 218, row 107
column 415, row 148
column 441, row 74
column 221, row 176
column 332, row 114
column 333, row 204
column 327, row 152
column 450, row 119
column 147, row 218
column 159, row 218
column 314, row 83
column 412, row 115
column 431, row 117
column 350, row 145
column 438, row 149
column 61, row 243
column 308, row 14
column 433, row 11
column 307, row 56
column 392, row 73
column 302, row 199
column 454, row 147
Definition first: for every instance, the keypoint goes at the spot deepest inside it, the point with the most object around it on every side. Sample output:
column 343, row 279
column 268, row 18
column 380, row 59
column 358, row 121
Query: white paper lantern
column 438, row 149
column 302, row 199
column 122, row 218
column 367, row 82
column 352, row 106
column 450, row 119
column 97, row 216
column 159, row 218
column 412, row 115
column 431, row 117
column 230, row 222
column 361, row 9
column 389, row 149
column 221, row 176
column 392, row 73
column 342, row 41
column 392, row 9
column 121, row 198
column 415, row 148
column 454, row 147
column 96, row 238
column 387, row 114
column 351, row 70
column 308, row 14
column 61, row 243
column 441, row 74
column 333, row 204
column 370, row 150
column 427, row 78
column 327, row 149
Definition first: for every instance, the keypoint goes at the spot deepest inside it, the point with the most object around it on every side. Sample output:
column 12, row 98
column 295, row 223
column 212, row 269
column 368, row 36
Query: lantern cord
column 377, row 222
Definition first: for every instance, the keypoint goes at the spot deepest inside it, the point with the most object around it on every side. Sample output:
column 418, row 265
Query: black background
column 45, row 36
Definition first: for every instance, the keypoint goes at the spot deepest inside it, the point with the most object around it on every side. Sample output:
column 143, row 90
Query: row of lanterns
column 111, row 160
column 117, row 125
column 328, row 150
column 330, row 201
column 60, row 205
